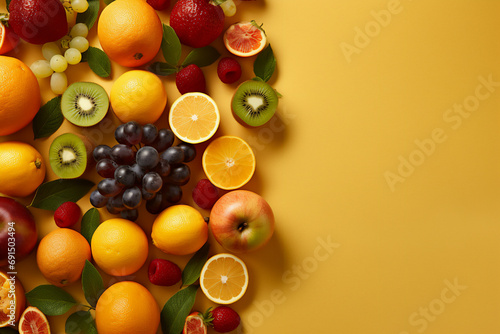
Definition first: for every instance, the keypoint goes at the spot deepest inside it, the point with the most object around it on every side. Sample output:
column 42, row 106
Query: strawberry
column 190, row 79
column 225, row 319
column 205, row 194
column 228, row 70
column 67, row 214
column 38, row 21
column 197, row 22
column 159, row 4
column 164, row 272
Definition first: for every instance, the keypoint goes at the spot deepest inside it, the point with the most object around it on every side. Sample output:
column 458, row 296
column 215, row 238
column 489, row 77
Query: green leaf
column 90, row 221
column 170, row 46
column 48, row 119
column 50, row 299
column 80, row 322
column 92, row 283
column 160, row 68
column 193, row 268
column 176, row 309
column 50, row 195
column 202, row 56
column 7, row 4
column 98, row 61
column 90, row 15
column 265, row 64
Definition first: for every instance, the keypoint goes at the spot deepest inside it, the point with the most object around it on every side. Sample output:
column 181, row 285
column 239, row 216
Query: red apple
column 242, row 221
column 17, row 222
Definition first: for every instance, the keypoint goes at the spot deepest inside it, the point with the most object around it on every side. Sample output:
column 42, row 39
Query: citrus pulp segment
column 224, row 278
column 194, row 117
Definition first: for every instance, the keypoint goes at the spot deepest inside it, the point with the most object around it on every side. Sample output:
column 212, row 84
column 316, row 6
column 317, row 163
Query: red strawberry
column 38, row 21
column 197, row 22
column 228, row 70
column 190, row 79
column 67, row 214
column 164, row 273
column 205, row 194
column 159, row 4
column 195, row 324
column 225, row 319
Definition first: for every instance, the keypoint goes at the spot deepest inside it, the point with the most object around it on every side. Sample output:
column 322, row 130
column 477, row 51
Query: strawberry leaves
column 172, row 49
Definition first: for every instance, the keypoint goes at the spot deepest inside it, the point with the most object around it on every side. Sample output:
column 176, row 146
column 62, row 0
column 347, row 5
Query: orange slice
column 8, row 39
column 7, row 297
column 245, row 39
column 33, row 321
column 194, row 324
column 194, row 117
column 229, row 162
column 224, row 278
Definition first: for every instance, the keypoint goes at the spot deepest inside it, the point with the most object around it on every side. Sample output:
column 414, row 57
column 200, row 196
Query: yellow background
column 322, row 167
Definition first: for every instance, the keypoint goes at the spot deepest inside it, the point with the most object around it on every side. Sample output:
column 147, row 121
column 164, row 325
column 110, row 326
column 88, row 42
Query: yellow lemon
column 179, row 230
column 119, row 247
column 138, row 96
column 22, row 169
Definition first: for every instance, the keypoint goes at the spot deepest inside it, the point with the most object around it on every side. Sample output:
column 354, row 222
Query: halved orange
column 8, row 39
column 33, row 321
column 229, row 162
column 194, row 324
column 11, row 291
column 224, row 278
column 194, row 117
column 245, row 39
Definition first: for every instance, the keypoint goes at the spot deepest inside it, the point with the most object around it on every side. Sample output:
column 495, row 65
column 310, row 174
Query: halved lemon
column 245, row 39
column 224, row 278
column 33, row 321
column 229, row 162
column 194, row 117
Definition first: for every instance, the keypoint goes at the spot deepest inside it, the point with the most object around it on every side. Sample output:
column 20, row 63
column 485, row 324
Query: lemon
column 138, row 96
column 119, row 247
column 179, row 230
column 22, row 169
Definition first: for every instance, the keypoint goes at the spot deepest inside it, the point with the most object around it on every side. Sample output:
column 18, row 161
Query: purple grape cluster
column 143, row 166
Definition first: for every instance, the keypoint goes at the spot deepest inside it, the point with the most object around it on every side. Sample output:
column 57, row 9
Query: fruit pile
column 143, row 166
column 148, row 165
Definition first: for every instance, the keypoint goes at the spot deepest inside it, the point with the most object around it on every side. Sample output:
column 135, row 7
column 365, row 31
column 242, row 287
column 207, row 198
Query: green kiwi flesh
column 68, row 156
column 254, row 102
column 84, row 103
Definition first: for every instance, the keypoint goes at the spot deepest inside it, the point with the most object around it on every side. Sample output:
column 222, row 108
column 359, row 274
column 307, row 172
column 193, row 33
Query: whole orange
column 20, row 98
column 22, row 168
column 130, row 32
column 61, row 256
column 127, row 307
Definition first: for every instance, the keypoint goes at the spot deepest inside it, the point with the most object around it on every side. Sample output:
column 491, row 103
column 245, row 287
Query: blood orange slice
column 33, row 321
column 8, row 39
column 194, row 324
column 245, row 39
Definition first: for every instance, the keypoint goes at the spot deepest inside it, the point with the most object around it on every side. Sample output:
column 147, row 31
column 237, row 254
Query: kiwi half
column 254, row 103
column 68, row 156
column 84, row 103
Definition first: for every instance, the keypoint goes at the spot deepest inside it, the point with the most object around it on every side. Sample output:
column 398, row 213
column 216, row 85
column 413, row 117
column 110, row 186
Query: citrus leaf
column 50, row 195
column 98, row 61
column 160, row 68
column 90, row 221
column 90, row 15
column 50, row 299
column 265, row 64
column 176, row 309
column 92, row 283
column 80, row 322
column 48, row 119
column 193, row 268
column 202, row 56
column 170, row 46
